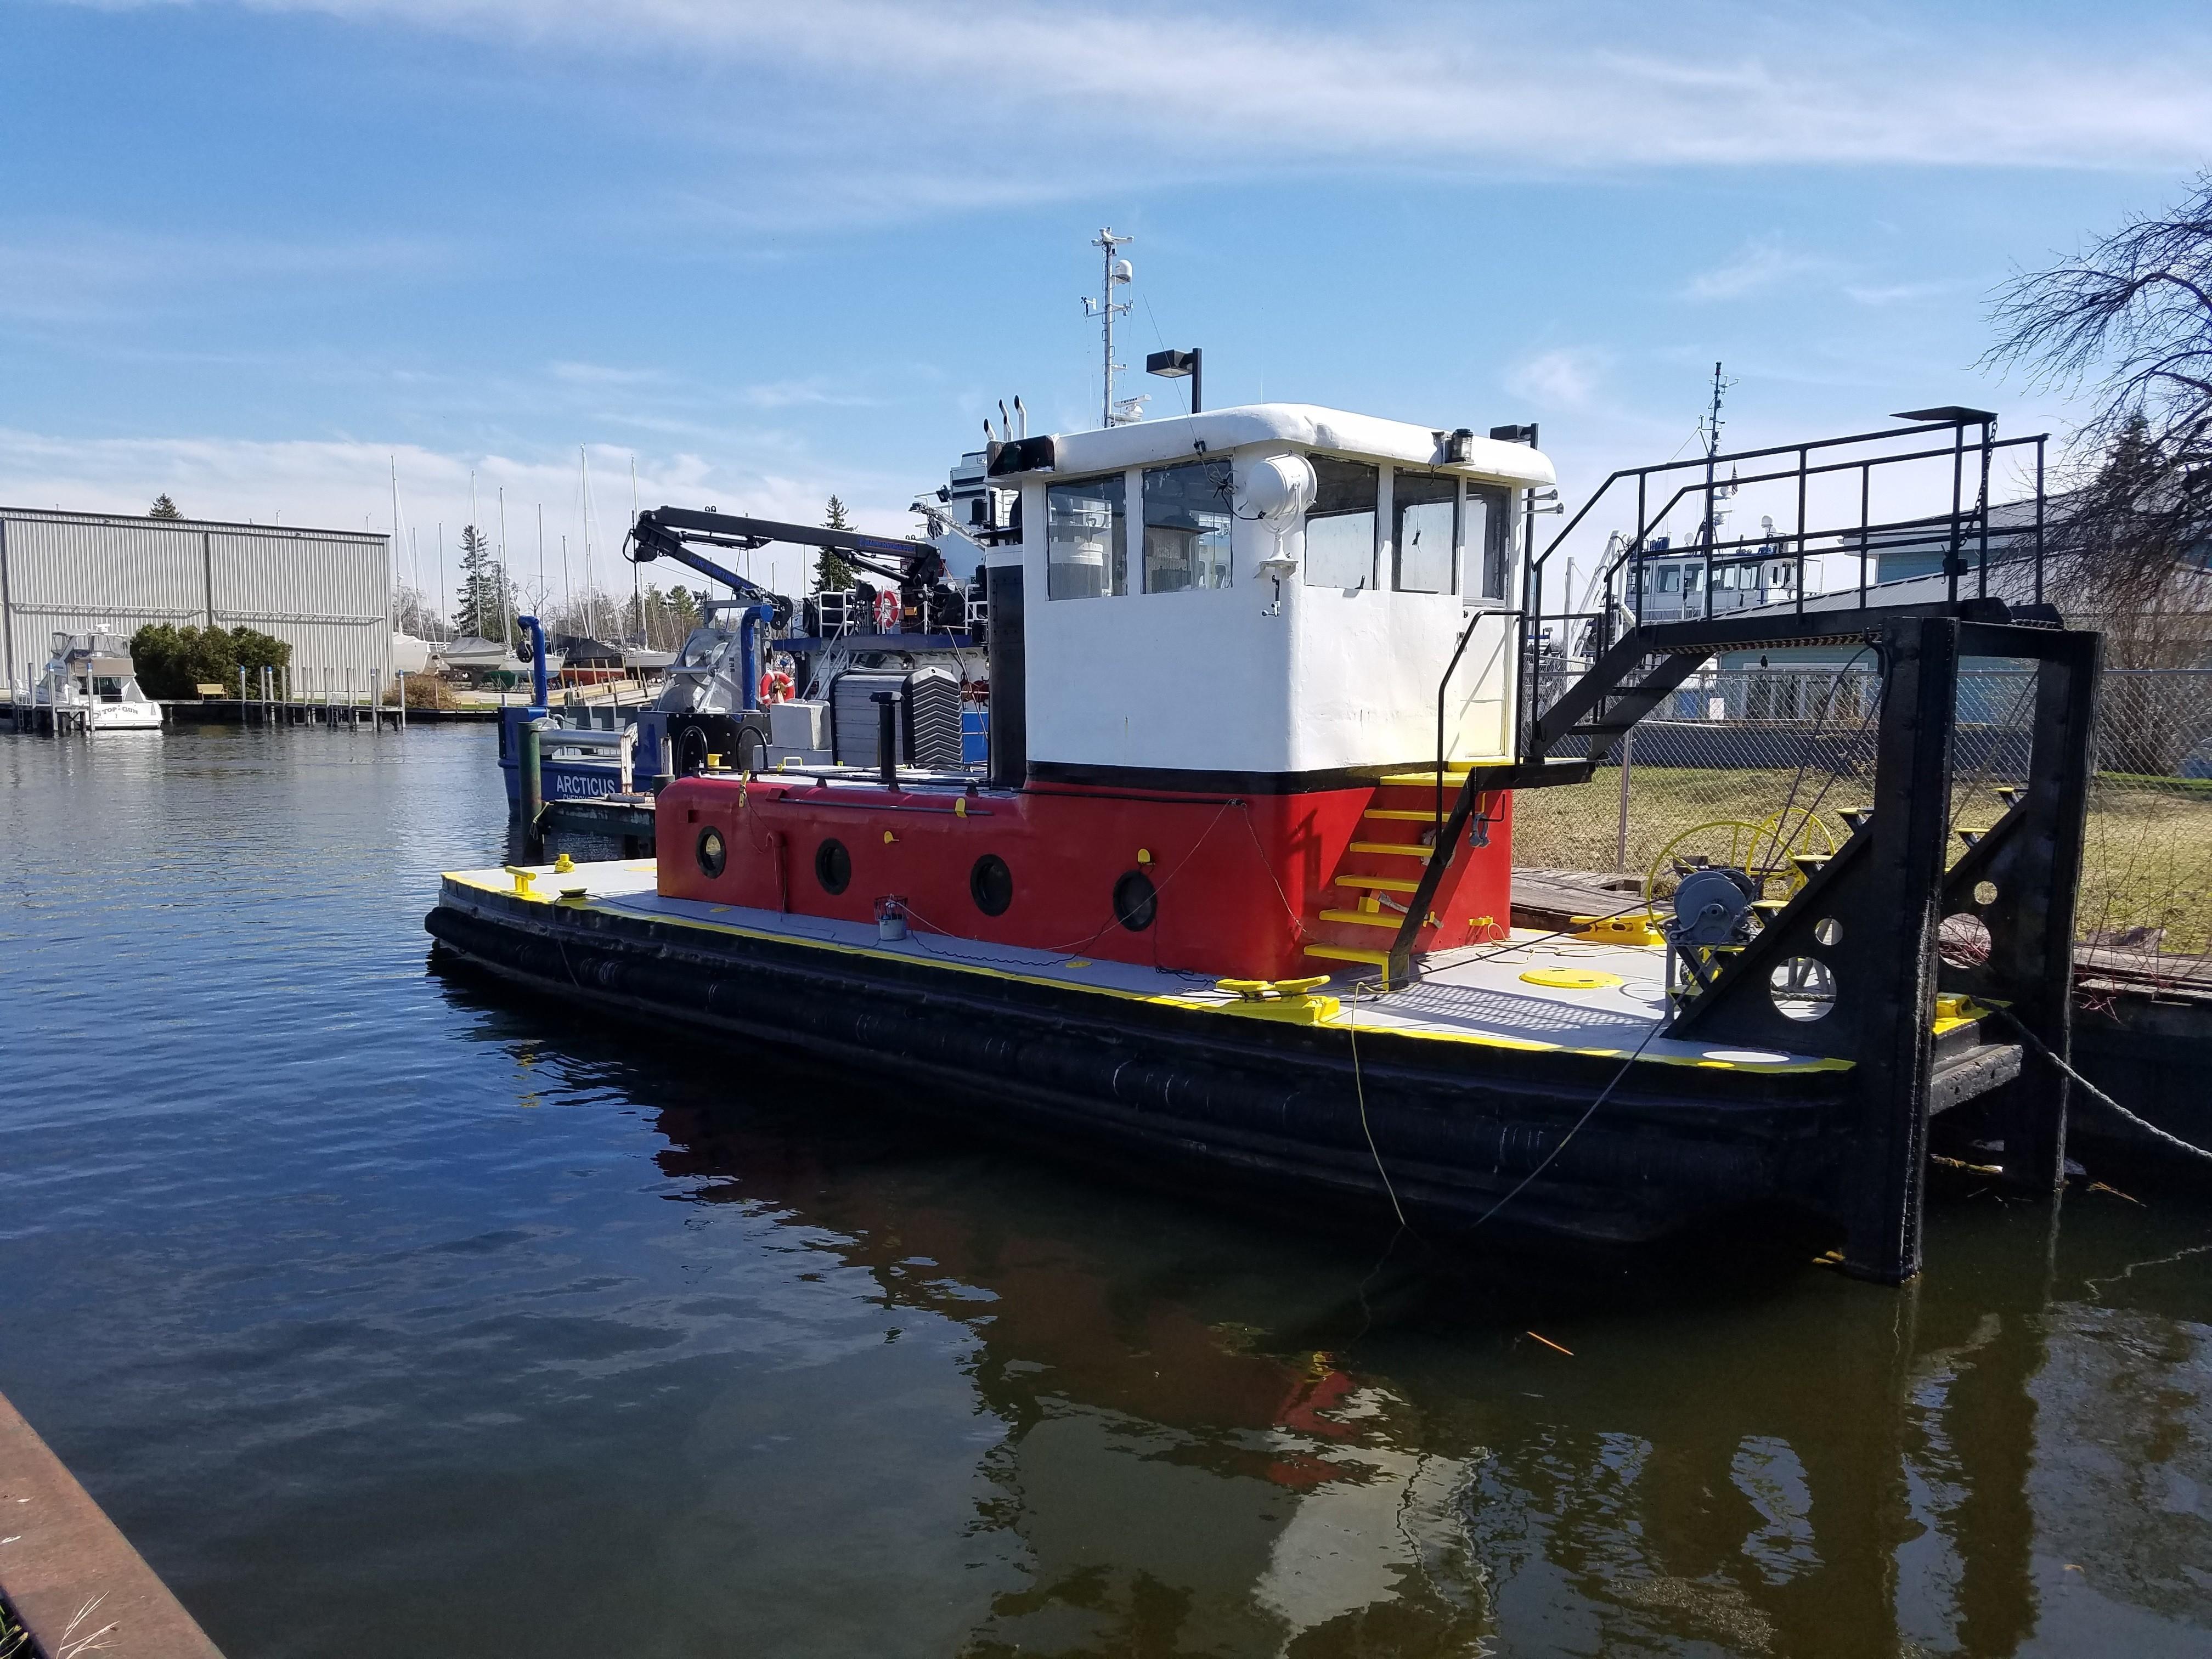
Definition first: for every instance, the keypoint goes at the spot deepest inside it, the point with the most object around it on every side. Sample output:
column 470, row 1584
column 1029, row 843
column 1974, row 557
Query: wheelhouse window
column 1424, row 531
column 1188, row 523
column 1341, row 523
column 1670, row 578
column 1085, row 543
column 1489, row 540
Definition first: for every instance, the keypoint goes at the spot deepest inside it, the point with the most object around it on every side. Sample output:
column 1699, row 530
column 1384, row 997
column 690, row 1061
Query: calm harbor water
column 390, row 1314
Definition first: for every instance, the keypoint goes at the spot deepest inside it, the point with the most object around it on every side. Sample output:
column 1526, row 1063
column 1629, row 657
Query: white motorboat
column 91, row 684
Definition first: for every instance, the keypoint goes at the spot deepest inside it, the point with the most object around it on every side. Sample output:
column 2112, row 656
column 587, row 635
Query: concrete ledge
column 60, row 1552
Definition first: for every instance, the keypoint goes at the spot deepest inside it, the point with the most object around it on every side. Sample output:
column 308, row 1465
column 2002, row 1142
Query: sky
column 259, row 255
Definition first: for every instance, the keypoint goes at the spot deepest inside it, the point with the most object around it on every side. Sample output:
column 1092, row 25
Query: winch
column 1712, row 915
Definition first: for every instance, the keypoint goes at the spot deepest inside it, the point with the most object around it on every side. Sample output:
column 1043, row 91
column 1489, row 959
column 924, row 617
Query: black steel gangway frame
column 1871, row 914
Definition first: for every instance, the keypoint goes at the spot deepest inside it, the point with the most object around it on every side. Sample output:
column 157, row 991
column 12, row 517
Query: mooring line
column 1603, row 1094
column 2097, row 1094
column 1359, row 1088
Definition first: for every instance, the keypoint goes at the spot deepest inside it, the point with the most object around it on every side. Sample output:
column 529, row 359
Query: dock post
column 400, row 678
column 1883, row 1168
column 531, row 783
column 242, row 694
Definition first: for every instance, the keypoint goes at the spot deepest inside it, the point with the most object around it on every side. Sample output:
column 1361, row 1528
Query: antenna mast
column 1710, row 426
column 1112, row 271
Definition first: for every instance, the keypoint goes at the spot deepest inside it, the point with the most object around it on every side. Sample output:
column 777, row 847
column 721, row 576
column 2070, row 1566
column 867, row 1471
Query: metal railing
column 1866, row 534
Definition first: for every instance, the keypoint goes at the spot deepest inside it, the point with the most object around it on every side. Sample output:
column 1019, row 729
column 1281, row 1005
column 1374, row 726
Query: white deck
column 1476, row 995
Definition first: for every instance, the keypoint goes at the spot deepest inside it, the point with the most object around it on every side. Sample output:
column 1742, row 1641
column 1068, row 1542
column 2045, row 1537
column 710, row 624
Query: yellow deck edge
column 1339, row 1022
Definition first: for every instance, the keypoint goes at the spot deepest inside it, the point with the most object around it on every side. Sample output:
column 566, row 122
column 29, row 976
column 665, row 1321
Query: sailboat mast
column 396, row 628
column 506, row 619
column 593, row 623
column 636, row 570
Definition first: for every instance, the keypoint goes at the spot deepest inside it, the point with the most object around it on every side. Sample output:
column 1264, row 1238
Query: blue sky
column 248, row 251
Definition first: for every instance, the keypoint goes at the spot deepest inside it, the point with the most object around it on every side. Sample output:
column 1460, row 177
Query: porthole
column 832, row 867
column 1803, row 989
column 991, row 884
column 1986, row 892
column 1963, row 939
column 713, row 856
column 1829, row 932
column 1136, row 901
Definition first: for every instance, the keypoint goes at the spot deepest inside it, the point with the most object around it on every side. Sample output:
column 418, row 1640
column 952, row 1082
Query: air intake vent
column 928, row 717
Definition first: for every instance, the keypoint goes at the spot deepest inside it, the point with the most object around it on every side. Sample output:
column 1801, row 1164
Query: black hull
column 1271, row 1107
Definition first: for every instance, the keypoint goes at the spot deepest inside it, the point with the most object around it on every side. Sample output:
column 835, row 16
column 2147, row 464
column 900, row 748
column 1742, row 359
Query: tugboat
column 1234, row 891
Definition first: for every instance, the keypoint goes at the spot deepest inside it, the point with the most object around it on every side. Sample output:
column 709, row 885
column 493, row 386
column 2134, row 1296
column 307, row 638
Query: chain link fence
column 1744, row 766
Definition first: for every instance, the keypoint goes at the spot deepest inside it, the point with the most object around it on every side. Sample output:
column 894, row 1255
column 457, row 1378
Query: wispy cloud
column 347, row 484
column 1564, row 378
column 1906, row 294
column 873, row 109
column 1760, row 263
column 603, row 374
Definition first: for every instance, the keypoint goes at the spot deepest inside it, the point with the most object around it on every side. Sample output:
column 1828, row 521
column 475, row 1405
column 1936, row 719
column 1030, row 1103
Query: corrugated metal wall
column 324, row 592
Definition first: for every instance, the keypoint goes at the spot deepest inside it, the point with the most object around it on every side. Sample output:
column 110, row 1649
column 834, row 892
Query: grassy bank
column 2147, row 862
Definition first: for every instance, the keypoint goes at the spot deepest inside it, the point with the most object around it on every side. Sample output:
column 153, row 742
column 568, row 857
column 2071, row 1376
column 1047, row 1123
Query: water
column 387, row 1314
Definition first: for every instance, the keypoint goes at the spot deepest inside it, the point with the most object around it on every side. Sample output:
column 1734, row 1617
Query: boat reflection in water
column 1198, row 1439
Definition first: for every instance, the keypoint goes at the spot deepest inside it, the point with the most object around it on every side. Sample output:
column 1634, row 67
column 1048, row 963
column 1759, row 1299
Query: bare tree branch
column 2128, row 322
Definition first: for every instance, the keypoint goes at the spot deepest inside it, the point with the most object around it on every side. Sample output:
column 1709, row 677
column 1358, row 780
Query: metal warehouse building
column 326, row 592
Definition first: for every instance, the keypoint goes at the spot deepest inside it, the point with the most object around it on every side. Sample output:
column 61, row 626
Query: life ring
column 887, row 612
column 775, row 686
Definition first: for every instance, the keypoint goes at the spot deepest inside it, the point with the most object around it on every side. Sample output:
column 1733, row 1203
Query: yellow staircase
column 1383, row 867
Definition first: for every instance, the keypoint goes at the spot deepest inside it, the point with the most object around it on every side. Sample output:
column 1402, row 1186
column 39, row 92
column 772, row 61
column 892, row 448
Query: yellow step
column 1403, row 849
column 1422, row 780
column 1403, row 815
column 1389, row 919
column 1380, row 884
column 1350, row 953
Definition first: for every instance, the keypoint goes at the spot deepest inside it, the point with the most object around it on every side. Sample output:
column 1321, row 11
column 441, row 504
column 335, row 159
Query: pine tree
column 164, row 508
column 832, row 573
column 481, row 600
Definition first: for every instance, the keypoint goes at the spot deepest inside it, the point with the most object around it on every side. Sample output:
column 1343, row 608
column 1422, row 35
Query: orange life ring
column 887, row 612
column 775, row 686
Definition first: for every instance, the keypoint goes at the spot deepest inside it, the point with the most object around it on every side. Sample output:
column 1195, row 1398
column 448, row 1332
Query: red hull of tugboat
column 1242, row 882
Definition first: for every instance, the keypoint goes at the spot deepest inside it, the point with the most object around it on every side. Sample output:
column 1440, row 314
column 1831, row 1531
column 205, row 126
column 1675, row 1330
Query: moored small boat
column 90, row 684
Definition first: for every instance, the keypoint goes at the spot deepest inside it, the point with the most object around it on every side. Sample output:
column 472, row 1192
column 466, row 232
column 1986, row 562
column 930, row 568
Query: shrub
column 171, row 661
